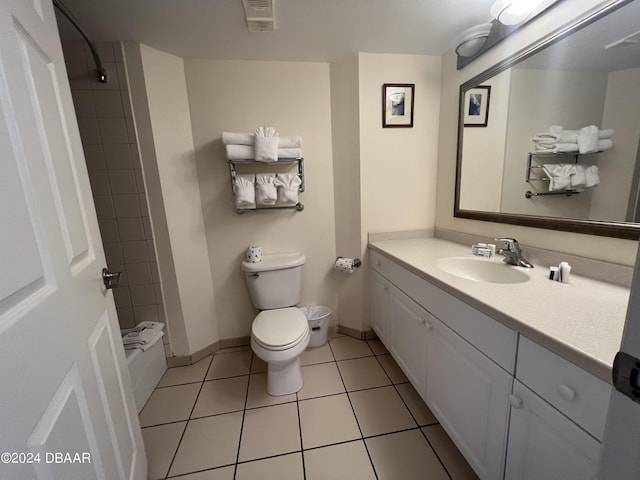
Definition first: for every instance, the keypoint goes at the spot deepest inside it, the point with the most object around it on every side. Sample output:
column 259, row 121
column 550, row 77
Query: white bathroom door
column 66, row 405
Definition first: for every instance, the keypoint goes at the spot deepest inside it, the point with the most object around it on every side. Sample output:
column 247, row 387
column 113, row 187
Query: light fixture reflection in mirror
column 568, row 78
column 514, row 12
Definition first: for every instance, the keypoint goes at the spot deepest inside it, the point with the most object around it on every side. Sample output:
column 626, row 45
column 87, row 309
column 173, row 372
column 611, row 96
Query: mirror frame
column 591, row 227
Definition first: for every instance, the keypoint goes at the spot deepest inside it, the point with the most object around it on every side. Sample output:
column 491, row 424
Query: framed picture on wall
column 397, row 105
column 476, row 106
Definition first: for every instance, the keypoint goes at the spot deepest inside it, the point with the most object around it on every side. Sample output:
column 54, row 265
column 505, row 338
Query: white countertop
column 582, row 321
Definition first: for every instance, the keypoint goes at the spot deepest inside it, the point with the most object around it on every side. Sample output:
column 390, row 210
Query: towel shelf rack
column 300, row 164
column 530, row 167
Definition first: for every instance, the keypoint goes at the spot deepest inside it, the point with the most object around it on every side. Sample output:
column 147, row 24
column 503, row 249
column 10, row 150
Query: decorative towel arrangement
column 288, row 185
column 266, row 193
column 266, row 189
column 586, row 140
column 571, row 176
column 266, row 145
column 143, row 336
column 263, row 146
column 244, row 188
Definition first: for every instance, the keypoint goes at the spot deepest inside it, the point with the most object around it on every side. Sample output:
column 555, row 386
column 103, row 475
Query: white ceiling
column 306, row 30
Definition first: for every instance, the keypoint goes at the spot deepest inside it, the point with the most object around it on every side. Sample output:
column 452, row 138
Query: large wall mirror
column 587, row 74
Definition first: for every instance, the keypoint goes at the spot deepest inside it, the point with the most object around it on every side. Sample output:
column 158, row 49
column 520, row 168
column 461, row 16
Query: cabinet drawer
column 581, row 396
column 379, row 263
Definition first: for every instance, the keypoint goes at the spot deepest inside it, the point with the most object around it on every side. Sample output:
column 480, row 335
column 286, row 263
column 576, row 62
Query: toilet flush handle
column 255, row 275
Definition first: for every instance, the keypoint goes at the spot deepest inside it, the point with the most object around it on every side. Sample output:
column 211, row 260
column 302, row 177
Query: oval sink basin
column 482, row 270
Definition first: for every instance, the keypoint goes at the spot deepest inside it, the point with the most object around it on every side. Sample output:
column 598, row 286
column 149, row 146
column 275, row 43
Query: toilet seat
column 279, row 329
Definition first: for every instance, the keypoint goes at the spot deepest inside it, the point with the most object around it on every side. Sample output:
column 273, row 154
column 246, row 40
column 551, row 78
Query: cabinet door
column 380, row 306
column 469, row 394
column 544, row 444
column 409, row 328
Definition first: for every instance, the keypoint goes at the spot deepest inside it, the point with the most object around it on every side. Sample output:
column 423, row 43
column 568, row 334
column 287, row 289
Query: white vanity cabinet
column 469, row 395
column 544, row 444
column 410, row 324
column 466, row 390
column 487, row 384
column 380, row 317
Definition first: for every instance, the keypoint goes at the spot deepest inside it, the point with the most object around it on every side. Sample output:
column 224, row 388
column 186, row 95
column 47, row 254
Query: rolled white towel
column 247, row 152
column 245, row 191
column 545, row 138
column 266, row 145
column 231, row 138
column 588, row 139
column 568, row 136
column 605, row 144
column 606, row 133
column 266, row 193
column 592, row 178
column 288, row 186
column 565, row 148
column 284, row 141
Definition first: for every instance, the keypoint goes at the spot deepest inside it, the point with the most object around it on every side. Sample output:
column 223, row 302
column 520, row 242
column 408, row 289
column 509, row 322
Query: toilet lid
column 279, row 327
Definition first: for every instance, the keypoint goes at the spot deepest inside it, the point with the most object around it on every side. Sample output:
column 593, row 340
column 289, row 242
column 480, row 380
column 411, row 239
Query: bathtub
column 146, row 370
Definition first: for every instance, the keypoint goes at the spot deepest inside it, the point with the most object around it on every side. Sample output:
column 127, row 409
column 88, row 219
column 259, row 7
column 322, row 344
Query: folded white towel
column 247, row 152
column 558, row 148
column 141, row 333
column 588, row 139
column 245, row 191
column 266, row 193
column 592, row 178
column 145, row 346
column 578, row 178
column 544, row 138
column 288, row 186
column 266, row 146
column 559, row 175
column 284, row 141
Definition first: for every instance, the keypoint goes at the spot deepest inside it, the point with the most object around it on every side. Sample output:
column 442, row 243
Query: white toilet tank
column 276, row 281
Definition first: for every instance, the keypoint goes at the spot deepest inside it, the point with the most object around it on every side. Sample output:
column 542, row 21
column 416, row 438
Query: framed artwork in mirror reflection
column 397, row 105
column 476, row 106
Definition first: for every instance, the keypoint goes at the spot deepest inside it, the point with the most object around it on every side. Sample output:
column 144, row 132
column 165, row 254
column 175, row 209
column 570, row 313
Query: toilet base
column 284, row 375
column 284, row 379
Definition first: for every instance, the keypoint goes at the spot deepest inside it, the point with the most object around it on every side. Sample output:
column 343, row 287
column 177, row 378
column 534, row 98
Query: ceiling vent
column 259, row 15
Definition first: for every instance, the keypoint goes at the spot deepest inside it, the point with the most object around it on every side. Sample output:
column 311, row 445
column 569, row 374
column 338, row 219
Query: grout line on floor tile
column 435, row 452
column 304, row 470
column 244, row 412
column 355, row 416
column 188, row 420
column 200, row 471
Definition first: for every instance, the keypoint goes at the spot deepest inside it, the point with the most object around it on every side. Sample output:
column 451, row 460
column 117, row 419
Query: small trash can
column 319, row 318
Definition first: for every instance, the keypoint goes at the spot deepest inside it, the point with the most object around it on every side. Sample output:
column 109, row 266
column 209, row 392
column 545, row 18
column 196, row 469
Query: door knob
column 516, row 402
column 111, row 279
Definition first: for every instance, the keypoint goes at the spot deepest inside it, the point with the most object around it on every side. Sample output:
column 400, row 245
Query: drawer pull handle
column 515, row 402
column 428, row 325
column 566, row 392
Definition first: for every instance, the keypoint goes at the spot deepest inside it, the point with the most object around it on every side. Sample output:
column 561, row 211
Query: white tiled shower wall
column 115, row 172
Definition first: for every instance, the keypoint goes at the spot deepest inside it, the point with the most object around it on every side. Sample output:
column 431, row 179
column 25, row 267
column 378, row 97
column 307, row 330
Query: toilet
column 280, row 332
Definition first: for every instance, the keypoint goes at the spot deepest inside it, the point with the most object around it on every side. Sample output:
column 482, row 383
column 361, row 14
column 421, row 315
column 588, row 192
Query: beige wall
column 239, row 96
column 621, row 112
column 615, row 250
column 484, row 149
column 168, row 111
column 398, row 165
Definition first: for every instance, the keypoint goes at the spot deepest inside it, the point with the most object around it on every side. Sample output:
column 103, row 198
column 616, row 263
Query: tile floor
column 356, row 418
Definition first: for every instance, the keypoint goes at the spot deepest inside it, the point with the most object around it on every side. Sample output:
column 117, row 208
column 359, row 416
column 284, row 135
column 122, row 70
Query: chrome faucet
column 512, row 253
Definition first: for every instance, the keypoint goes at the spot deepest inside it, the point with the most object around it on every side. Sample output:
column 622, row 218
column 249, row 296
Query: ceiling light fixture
column 469, row 42
column 514, row 12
